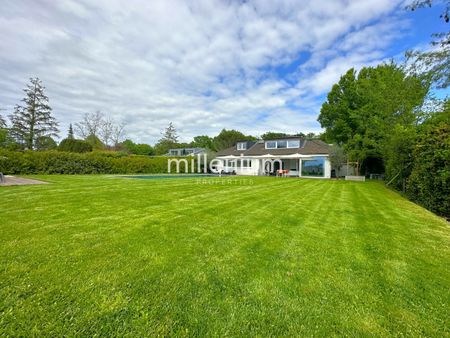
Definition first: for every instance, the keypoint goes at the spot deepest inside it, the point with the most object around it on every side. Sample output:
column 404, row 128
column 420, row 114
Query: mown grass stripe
column 96, row 255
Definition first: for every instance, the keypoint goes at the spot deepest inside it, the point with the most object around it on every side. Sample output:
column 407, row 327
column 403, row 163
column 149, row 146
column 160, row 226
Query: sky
column 204, row 65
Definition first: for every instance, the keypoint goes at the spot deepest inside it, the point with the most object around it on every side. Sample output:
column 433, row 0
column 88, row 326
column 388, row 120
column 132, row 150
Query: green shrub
column 95, row 142
column 7, row 141
column 45, row 143
column 398, row 155
column 74, row 146
column 137, row 148
column 429, row 183
column 58, row 162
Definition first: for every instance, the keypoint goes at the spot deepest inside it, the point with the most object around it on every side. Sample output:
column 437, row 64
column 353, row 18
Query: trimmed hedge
column 74, row 146
column 429, row 183
column 57, row 162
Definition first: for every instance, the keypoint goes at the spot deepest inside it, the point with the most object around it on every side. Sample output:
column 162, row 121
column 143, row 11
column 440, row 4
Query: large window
column 241, row 146
column 271, row 144
column 313, row 167
column 244, row 163
column 293, row 144
column 280, row 144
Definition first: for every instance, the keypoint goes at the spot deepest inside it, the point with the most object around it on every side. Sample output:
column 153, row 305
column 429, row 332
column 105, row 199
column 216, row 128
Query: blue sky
column 204, row 65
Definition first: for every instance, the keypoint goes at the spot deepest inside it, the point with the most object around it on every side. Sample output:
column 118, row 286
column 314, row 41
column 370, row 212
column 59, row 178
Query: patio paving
column 13, row 180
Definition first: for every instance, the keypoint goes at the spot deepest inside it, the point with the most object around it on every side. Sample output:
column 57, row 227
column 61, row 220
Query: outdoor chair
column 282, row 172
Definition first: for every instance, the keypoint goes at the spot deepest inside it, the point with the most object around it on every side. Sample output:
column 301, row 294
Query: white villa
column 287, row 156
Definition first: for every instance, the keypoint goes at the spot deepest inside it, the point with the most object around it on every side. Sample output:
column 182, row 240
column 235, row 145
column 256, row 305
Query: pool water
column 156, row 177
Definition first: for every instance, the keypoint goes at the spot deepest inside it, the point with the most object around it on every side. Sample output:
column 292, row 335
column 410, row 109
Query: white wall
column 327, row 168
column 249, row 171
column 256, row 168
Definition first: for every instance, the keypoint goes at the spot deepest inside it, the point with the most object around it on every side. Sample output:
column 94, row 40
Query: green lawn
column 98, row 255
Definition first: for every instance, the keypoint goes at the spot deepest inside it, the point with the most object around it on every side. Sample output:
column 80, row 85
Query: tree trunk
column 33, row 120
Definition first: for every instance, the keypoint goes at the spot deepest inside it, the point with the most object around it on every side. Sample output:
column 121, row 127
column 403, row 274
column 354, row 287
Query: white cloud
column 205, row 65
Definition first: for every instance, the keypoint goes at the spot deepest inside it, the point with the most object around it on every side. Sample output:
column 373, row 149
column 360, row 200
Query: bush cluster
column 75, row 146
column 58, row 162
column 429, row 183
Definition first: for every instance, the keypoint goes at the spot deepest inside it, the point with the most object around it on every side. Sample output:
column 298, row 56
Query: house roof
column 287, row 137
column 231, row 151
column 194, row 149
column 183, row 151
column 307, row 147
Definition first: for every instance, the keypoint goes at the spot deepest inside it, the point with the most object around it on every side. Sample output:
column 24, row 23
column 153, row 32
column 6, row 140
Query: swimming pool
column 156, row 177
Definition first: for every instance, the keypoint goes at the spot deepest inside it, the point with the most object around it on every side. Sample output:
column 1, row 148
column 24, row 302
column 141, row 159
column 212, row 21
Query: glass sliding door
column 291, row 165
column 313, row 167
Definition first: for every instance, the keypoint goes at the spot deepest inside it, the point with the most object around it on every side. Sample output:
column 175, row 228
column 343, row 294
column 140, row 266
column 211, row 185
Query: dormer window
column 271, row 144
column 293, row 143
column 281, row 144
column 242, row 145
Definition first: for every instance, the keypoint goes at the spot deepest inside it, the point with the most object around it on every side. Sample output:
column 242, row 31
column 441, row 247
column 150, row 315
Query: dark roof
column 307, row 147
column 188, row 148
column 287, row 137
column 183, row 151
column 233, row 150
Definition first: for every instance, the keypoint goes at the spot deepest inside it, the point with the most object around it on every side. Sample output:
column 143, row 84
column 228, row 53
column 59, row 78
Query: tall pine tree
column 169, row 140
column 170, row 134
column 70, row 134
column 2, row 122
column 33, row 119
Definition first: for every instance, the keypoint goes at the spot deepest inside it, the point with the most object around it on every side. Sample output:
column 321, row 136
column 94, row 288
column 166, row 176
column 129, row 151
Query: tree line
column 383, row 118
column 225, row 139
column 33, row 127
column 388, row 121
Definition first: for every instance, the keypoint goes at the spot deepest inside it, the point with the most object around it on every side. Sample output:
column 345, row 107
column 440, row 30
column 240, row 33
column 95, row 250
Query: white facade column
column 300, row 167
column 255, row 166
column 327, row 168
